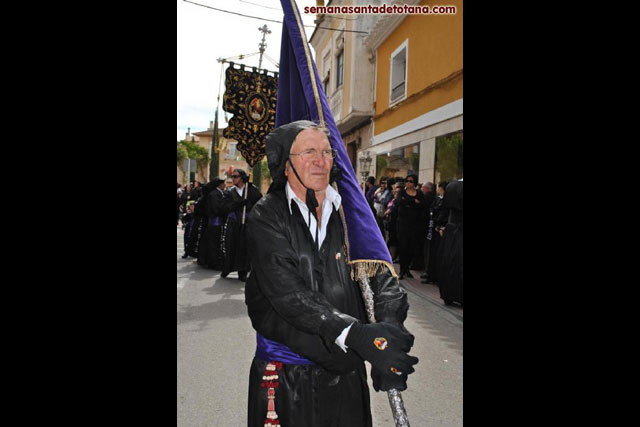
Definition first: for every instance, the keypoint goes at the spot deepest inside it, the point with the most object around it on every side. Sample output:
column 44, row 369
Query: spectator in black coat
column 370, row 189
column 410, row 205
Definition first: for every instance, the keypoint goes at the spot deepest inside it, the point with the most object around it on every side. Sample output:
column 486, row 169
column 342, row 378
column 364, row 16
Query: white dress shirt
column 331, row 198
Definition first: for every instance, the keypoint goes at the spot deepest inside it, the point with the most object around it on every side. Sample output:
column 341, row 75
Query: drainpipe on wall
column 319, row 16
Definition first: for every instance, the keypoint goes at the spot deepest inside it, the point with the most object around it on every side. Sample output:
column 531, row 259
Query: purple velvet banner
column 297, row 101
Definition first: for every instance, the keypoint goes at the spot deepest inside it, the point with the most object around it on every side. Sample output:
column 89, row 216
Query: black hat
column 278, row 146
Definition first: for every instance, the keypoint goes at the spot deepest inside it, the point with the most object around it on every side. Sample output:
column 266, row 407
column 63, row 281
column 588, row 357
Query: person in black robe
column 302, row 301
column 234, row 231
column 199, row 223
column 184, row 198
column 209, row 253
column 450, row 268
column 178, row 197
column 391, row 216
column 187, row 221
column 428, row 191
column 410, row 206
column 196, row 191
column 439, row 216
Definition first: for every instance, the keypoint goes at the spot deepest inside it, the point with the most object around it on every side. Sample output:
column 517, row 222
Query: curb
column 436, row 302
column 457, row 312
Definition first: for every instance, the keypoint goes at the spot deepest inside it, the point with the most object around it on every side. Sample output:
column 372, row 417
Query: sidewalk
column 427, row 291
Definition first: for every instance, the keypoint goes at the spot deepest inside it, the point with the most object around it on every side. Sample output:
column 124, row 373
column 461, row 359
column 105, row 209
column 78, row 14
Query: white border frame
column 404, row 44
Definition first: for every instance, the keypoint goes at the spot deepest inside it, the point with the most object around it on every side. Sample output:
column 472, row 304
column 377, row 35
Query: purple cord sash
column 268, row 351
column 215, row 221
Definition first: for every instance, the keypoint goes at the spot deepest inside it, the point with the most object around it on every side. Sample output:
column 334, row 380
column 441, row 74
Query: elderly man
column 312, row 333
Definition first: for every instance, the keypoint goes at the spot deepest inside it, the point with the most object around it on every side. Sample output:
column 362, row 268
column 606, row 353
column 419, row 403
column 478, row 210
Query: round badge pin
column 380, row 343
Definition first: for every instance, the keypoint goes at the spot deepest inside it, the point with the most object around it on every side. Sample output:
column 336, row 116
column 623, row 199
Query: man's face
column 235, row 178
column 440, row 191
column 425, row 189
column 314, row 171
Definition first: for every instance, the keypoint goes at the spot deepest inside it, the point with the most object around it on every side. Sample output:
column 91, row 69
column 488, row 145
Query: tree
column 182, row 154
column 449, row 157
column 193, row 151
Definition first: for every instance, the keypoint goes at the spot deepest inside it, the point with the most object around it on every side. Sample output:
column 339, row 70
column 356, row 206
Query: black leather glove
column 387, row 382
column 384, row 345
column 341, row 363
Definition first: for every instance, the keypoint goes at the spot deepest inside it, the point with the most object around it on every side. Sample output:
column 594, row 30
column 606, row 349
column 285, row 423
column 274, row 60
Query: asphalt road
column 216, row 343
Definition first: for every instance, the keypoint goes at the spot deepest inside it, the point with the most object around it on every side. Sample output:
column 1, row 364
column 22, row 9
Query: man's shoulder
column 271, row 204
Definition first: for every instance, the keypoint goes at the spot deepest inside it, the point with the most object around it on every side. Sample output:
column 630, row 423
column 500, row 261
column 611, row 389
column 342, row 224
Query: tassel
column 270, row 381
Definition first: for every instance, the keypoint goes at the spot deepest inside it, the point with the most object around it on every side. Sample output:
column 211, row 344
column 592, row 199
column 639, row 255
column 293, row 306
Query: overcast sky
column 204, row 35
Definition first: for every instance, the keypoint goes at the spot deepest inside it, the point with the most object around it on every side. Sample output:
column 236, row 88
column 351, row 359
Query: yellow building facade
column 417, row 120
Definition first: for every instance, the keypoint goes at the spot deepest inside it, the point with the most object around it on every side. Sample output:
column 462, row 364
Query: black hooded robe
column 303, row 297
column 234, row 233
column 210, row 252
column 450, row 267
column 188, row 220
column 439, row 215
column 409, row 230
column 199, row 224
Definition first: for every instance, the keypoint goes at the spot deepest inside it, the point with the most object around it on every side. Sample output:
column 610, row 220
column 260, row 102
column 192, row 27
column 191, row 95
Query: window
column 448, row 157
column 399, row 73
column 340, row 69
column 399, row 162
column 326, row 72
column 325, row 84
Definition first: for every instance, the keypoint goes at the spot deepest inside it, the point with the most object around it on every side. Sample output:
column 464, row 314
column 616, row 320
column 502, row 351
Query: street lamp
column 365, row 165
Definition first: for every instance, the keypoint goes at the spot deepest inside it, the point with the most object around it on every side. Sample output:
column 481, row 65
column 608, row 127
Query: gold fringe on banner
column 361, row 268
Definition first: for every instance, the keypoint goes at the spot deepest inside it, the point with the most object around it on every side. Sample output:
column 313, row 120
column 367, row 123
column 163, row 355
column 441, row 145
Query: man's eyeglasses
column 313, row 154
column 235, row 176
column 410, row 180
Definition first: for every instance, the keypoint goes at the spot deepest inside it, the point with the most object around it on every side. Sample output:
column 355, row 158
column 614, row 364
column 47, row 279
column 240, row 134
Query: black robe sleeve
column 390, row 300
column 231, row 202
column 210, row 207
